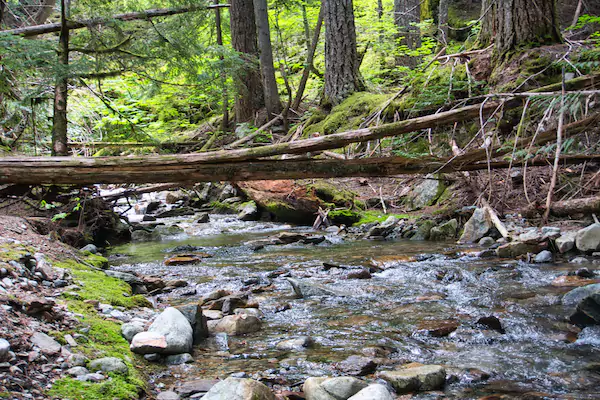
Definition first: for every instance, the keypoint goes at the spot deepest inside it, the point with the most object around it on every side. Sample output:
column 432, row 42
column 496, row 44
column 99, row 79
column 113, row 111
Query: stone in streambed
column 195, row 387
column 476, row 227
column 421, row 378
column 566, row 242
column 588, row 311
column 178, row 359
column 385, row 228
column 130, row 329
column 588, row 239
column 248, row 211
column 304, row 289
column 332, row 388
column 357, row 366
column 239, row 389
column 148, row 343
column 516, row 249
column 167, row 396
column 544, row 256
column 109, row 364
column 195, row 316
column 576, row 295
column 175, row 327
column 438, row 328
column 300, row 343
column 373, row 392
column 235, row 325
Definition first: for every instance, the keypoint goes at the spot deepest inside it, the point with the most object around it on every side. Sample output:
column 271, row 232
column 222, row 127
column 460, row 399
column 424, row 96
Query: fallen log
column 590, row 205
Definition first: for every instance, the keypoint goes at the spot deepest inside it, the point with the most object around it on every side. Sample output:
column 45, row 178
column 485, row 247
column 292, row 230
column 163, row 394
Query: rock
column 491, row 322
column 588, row 239
column 36, row 305
column 248, row 211
column 421, row 378
column 95, row 377
column 579, row 260
column 588, row 311
column 550, row 232
column 544, row 256
column 152, row 357
column 195, row 316
column 77, row 360
column 90, row 247
column 174, row 197
column 129, row 330
column 185, row 259
column 167, row 396
column 487, row 241
column 516, row 249
column 255, row 312
column 361, row 274
column 198, row 386
column 152, row 206
column 357, row 366
column 239, row 389
column 46, row 343
column 237, row 325
column 175, row 327
column 301, row 343
column 476, row 227
column 385, row 228
column 304, row 289
column 124, row 276
column 577, row 295
column 212, row 314
column 203, row 218
column 178, row 359
column 566, row 242
column 176, row 212
column 438, row 328
column 4, row 350
column 427, row 192
column 148, row 343
column 373, row 392
column 445, row 231
column 288, row 238
column 43, row 266
column 572, row 281
column 531, row 236
column 332, row 388
column 77, row 371
column 109, row 364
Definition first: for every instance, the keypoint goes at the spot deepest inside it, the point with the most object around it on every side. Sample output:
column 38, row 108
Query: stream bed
column 414, row 285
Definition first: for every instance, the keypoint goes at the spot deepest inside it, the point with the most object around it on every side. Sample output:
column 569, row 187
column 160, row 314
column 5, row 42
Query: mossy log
column 590, row 205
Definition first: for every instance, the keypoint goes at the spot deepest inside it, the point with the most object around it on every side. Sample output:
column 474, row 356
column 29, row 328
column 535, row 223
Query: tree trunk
column 342, row 76
column 567, row 208
column 225, row 120
column 61, row 91
column 514, row 23
column 443, row 22
column 309, row 61
column 407, row 13
column 272, row 101
column 250, row 97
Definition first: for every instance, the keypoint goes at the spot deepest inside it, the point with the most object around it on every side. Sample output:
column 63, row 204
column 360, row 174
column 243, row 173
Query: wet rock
column 124, row 276
column 373, row 392
column 175, row 327
column 4, row 350
column 249, row 211
column 304, row 289
column 583, row 273
column 572, row 281
column 255, row 312
column 217, row 294
column 438, row 328
column 185, row 259
column 544, row 256
column 445, row 231
column 577, row 295
column 566, row 242
column 203, row 218
column 178, row 359
column 176, row 212
column 236, row 325
column 516, row 249
column 109, row 364
column 579, row 260
column 300, row 343
column 167, row 396
column 239, row 389
column 313, row 239
column 332, row 388
column 195, row 316
column 361, row 274
column 423, row 231
column 288, row 238
column 213, row 314
column 421, row 378
column 588, row 239
column 46, row 343
column 148, row 343
column 357, row 366
column 198, row 386
column 384, row 228
column 90, row 247
column 129, row 330
column 476, row 227
column 588, row 311
column 491, row 322
column 152, row 357
column 77, row 371
column 531, row 236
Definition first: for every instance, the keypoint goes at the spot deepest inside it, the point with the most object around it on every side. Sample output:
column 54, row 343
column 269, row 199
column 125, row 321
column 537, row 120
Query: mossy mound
column 369, row 217
column 329, row 193
column 345, row 217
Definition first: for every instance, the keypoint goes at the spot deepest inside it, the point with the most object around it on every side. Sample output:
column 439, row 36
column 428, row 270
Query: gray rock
column 384, row 228
column 198, row 386
column 130, row 329
column 77, row 371
column 95, row 377
column 566, row 242
column 588, row 239
column 579, row 260
column 357, row 366
column 550, row 232
column 176, row 212
column 248, row 211
column 577, row 295
column 531, row 236
column 445, row 231
column 516, row 249
column 178, row 359
column 544, row 257
column 89, row 247
column 373, row 392
column 193, row 313
column 152, row 357
column 124, row 276
column 332, row 388
column 304, row 289
column 77, row 360
column 109, row 364
column 239, row 389
column 487, row 241
column 236, row 325
column 427, row 192
column 301, row 343
column 476, row 227
column 46, row 343
column 4, row 349
column 175, row 327
column 588, row 311
column 167, row 396
column 148, row 343
column 203, row 218
column 423, row 378
column 255, row 312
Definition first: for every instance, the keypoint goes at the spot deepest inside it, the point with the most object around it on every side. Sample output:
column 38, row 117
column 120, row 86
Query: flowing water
column 420, row 281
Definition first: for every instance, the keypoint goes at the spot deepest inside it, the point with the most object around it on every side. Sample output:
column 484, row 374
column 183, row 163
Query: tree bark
column 407, row 13
column 342, row 76
column 443, row 22
column 250, row 96
column 310, row 57
column 61, row 91
column 514, row 23
column 225, row 120
column 567, row 208
column 272, row 101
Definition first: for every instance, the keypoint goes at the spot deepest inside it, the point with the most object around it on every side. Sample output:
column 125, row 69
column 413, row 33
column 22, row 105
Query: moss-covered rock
column 331, row 194
column 345, row 217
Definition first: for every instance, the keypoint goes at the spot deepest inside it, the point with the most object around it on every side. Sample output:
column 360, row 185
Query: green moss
column 346, row 217
column 13, row 252
column 332, row 194
column 96, row 260
column 117, row 387
column 223, row 207
column 367, row 217
column 281, row 211
column 95, row 285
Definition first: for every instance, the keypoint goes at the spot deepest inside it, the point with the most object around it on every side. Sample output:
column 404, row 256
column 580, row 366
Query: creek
column 417, row 283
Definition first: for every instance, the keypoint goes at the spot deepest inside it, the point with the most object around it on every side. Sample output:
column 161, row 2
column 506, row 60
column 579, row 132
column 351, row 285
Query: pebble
column 4, row 349
column 77, row 371
column 544, row 257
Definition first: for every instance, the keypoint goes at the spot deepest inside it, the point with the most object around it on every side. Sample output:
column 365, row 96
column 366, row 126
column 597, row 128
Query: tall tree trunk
column 443, row 22
column 225, row 121
column 309, row 60
column 250, row 97
column 342, row 76
column 61, row 91
column 513, row 23
column 407, row 13
column 272, row 101
column 306, row 26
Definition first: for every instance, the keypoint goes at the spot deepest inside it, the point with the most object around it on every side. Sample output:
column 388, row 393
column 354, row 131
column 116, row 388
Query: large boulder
column 239, row 389
column 248, row 211
column 427, row 192
column 373, row 392
column 418, row 378
column 303, row 289
column 193, row 313
column 342, row 387
column 588, row 239
column 445, row 231
column 566, row 242
column 176, row 329
column 477, row 226
column 576, row 295
column 236, row 325
column 588, row 311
